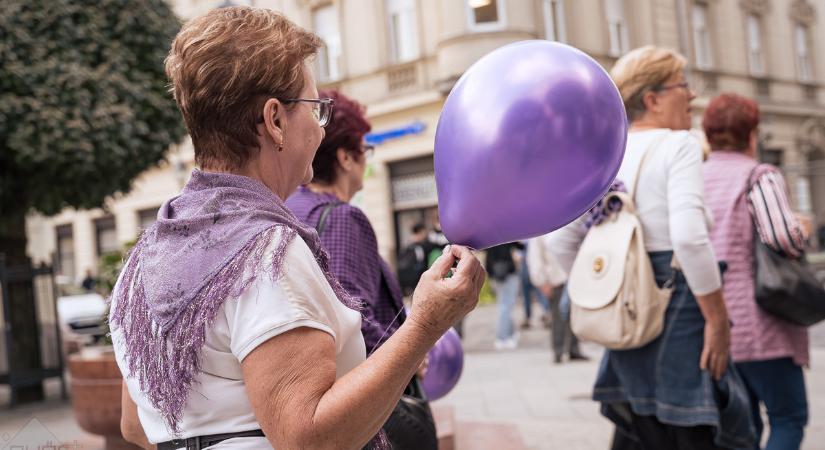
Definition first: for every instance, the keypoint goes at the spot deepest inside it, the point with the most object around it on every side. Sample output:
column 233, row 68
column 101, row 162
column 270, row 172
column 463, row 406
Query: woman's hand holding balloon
column 440, row 302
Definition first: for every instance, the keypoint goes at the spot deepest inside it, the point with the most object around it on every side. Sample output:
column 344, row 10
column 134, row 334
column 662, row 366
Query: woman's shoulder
column 681, row 145
column 663, row 137
column 352, row 216
column 682, row 139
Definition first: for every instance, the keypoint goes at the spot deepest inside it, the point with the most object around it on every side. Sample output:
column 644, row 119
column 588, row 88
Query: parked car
column 83, row 315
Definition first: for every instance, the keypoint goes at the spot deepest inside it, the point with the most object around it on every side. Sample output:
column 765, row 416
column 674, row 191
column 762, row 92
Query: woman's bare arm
column 130, row 426
column 291, row 383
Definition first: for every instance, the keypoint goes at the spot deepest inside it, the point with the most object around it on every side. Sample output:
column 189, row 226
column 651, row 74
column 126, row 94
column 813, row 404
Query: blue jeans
column 780, row 385
column 506, row 293
column 527, row 290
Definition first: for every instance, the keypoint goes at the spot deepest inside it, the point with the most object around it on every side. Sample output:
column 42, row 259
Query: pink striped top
column 776, row 223
column 755, row 334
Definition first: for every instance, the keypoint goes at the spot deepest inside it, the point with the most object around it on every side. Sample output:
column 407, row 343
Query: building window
column 617, row 27
column 804, row 65
column 146, row 217
column 325, row 23
column 756, row 54
column 773, row 156
column 701, row 36
column 106, row 236
column 65, row 251
column 485, row 15
column 403, row 29
column 554, row 20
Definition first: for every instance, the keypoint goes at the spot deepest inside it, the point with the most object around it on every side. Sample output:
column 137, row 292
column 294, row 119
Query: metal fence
column 30, row 342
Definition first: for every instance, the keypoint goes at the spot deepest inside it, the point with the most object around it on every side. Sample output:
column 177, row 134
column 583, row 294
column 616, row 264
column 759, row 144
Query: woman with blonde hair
column 227, row 323
column 676, row 392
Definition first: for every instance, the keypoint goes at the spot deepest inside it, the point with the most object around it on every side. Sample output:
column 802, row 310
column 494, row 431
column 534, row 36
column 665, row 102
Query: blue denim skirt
column 663, row 378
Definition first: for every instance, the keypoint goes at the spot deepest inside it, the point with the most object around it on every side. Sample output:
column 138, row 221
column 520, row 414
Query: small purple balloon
column 531, row 136
column 446, row 361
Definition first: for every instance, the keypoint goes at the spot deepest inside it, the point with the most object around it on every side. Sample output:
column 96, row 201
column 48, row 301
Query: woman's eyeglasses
column 321, row 108
column 667, row 87
column 367, row 150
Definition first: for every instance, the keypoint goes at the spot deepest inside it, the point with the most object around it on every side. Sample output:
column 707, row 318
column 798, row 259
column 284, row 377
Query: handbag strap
column 749, row 184
column 322, row 222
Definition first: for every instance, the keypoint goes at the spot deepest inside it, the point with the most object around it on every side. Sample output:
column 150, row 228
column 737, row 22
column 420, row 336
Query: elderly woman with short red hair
column 227, row 323
column 768, row 352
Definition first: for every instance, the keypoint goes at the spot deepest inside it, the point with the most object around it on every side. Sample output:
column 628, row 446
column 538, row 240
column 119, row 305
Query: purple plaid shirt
column 350, row 241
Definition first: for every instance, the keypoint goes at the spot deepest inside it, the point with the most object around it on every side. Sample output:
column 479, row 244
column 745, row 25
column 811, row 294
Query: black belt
column 199, row 442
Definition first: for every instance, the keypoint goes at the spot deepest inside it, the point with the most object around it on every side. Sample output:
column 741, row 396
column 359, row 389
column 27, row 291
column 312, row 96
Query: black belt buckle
column 195, row 443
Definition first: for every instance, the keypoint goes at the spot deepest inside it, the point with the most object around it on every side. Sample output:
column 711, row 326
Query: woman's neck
column 340, row 190
column 644, row 126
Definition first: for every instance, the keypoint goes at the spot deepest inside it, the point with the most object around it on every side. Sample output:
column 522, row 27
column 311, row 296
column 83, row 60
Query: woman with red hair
column 768, row 352
column 347, row 235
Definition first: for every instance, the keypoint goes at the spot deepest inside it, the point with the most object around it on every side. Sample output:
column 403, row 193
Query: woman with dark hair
column 768, row 352
column 227, row 322
column 347, row 235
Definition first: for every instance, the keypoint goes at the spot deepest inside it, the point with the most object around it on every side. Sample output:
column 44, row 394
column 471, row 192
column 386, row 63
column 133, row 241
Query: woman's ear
column 345, row 159
column 651, row 101
column 273, row 113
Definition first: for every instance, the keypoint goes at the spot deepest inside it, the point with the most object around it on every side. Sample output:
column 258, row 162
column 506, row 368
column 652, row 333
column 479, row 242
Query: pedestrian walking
column 676, row 392
column 501, row 266
column 547, row 273
column 530, row 291
column 742, row 194
column 414, row 259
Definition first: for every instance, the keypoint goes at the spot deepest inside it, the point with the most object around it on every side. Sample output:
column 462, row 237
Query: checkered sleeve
column 351, row 243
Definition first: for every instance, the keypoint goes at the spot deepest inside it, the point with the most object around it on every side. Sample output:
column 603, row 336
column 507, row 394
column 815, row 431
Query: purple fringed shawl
column 208, row 245
column 601, row 210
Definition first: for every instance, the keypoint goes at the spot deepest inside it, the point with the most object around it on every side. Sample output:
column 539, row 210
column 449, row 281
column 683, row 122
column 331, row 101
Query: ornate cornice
column 758, row 7
column 802, row 12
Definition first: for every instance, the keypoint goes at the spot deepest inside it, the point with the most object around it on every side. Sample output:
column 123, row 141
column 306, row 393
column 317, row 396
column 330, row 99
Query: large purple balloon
column 446, row 363
column 530, row 137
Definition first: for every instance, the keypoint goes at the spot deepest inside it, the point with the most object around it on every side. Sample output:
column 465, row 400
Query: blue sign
column 379, row 137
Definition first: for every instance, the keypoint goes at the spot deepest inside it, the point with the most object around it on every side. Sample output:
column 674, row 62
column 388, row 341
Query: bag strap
column 674, row 263
column 322, row 222
column 643, row 162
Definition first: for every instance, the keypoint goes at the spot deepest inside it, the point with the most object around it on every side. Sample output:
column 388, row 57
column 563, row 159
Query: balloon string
column 396, row 318
column 386, row 330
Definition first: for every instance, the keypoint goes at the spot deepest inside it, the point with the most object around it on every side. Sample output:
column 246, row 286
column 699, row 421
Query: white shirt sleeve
column 544, row 268
column 564, row 243
column 688, row 227
column 301, row 297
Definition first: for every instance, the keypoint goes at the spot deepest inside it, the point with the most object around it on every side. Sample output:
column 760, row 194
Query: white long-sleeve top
column 542, row 265
column 669, row 203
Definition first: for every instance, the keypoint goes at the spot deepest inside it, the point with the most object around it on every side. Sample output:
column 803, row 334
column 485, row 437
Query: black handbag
column 786, row 288
column 411, row 425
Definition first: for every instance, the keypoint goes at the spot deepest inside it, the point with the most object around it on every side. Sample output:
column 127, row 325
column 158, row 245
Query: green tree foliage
column 84, row 104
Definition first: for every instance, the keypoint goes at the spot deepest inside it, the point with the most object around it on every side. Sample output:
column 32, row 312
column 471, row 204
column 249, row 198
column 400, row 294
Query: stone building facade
column 401, row 58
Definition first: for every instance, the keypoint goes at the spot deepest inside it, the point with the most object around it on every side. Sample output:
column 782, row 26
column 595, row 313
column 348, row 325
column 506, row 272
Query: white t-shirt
column 670, row 205
column 218, row 401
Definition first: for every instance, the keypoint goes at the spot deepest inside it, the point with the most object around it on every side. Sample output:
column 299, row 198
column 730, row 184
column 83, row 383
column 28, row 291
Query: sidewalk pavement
column 550, row 403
